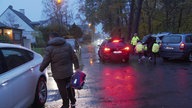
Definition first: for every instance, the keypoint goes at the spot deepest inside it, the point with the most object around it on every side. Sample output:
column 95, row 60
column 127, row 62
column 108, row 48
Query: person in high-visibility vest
column 150, row 41
column 134, row 40
column 139, row 49
column 155, row 50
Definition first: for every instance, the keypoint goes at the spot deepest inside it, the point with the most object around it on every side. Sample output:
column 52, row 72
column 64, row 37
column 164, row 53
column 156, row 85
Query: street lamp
column 92, row 31
column 59, row 1
column 59, row 6
column 89, row 24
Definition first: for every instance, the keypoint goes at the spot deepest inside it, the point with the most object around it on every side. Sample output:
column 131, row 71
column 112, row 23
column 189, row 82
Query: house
column 14, row 34
column 18, row 20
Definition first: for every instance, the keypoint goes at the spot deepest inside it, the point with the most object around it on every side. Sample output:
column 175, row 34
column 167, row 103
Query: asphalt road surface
column 166, row 84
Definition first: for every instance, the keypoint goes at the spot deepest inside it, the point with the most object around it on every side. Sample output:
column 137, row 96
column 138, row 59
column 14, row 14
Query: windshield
column 171, row 39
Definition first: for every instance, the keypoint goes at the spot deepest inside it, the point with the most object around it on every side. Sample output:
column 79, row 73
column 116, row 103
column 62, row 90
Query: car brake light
column 116, row 41
column 182, row 46
column 126, row 48
column 106, row 49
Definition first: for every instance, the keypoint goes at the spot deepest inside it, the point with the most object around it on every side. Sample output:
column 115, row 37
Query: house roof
column 2, row 25
column 22, row 16
column 7, row 27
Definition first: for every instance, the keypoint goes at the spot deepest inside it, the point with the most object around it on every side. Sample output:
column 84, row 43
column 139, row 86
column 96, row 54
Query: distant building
column 18, row 20
column 14, row 34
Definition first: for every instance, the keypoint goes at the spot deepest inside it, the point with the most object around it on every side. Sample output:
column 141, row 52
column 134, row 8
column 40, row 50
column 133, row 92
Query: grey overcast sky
column 33, row 8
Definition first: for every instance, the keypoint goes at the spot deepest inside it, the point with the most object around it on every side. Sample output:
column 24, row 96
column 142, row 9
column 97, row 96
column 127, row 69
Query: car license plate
column 171, row 48
column 117, row 52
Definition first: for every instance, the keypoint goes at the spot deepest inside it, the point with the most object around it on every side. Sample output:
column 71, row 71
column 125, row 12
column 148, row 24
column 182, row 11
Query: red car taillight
column 126, row 48
column 116, row 41
column 182, row 46
column 106, row 49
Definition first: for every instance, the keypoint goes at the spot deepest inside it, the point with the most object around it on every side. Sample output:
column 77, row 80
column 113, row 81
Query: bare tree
column 131, row 17
column 137, row 15
column 57, row 12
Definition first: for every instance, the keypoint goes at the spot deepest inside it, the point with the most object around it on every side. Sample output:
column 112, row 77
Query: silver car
column 21, row 83
column 76, row 46
column 176, row 46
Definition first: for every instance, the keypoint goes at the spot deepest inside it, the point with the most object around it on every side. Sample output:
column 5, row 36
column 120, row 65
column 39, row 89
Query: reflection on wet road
column 133, row 85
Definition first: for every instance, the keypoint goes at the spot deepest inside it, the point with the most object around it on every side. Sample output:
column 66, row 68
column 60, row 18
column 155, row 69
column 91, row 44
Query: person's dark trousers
column 149, row 53
column 133, row 49
column 155, row 57
column 140, row 55
column 67, row 93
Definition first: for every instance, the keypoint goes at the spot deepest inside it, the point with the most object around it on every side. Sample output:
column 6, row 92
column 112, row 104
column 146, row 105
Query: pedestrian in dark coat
column 60, row 55
column 150, row 41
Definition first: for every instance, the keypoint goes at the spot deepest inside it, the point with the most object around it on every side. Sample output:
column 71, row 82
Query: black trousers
column 67, row 93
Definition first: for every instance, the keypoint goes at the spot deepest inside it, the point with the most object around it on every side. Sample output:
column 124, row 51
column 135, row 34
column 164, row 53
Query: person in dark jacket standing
column 61, row 56
column 150, row 41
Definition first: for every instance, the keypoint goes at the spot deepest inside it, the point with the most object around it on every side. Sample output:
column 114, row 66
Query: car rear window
column 171, row 39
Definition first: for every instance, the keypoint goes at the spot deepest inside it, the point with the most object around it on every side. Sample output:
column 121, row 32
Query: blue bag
column 78, row 80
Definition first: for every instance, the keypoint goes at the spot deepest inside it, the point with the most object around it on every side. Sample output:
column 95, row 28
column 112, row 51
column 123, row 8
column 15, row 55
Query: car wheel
column 190, row 57
column 41, row 93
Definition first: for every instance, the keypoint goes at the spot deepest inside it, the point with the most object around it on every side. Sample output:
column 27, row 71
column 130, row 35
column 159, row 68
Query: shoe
column 73, row 105
column 143, row 57
column 150, row 59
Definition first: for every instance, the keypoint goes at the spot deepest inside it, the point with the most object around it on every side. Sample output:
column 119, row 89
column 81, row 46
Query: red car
column 114, row 50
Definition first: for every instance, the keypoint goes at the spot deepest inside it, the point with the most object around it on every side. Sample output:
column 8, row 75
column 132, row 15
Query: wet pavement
column 130, row 85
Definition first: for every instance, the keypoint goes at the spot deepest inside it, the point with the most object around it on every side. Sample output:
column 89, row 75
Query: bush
column 5, row 39
column 39, row 50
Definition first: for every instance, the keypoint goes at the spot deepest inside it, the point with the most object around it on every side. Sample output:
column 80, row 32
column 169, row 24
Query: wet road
column 130, row 85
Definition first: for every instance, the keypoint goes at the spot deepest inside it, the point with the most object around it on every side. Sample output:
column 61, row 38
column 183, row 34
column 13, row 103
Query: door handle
column 4, row 83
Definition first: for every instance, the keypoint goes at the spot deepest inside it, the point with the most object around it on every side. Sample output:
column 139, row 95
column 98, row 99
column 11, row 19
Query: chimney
column 22, row 11
column 10, row 6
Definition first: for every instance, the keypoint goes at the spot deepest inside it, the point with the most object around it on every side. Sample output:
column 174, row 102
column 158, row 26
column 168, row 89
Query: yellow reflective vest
column 134, row 40
column 155, row 48
column 145, row 47
column 139, row 48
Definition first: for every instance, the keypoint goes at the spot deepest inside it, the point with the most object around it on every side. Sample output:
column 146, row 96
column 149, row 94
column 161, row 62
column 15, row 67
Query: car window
column 171, row 39
column 15, row 57
column 2, row 64
column 145, row 38
column 188, row 39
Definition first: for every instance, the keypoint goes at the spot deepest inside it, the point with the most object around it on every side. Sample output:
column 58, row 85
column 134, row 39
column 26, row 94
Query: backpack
column 78, row 80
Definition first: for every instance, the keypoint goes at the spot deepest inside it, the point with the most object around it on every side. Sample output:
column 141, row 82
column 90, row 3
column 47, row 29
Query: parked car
column 176, row 46
column 76, row 46
column 114, row 50
column 158, row 37
column 21, row 83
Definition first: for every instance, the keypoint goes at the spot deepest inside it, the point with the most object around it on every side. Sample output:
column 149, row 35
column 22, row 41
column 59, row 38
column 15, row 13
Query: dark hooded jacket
column 61, row 57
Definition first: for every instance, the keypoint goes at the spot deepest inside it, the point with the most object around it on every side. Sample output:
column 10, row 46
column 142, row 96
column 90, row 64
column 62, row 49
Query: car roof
column 179, row 34
column 5, row 45
column 70, row 39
